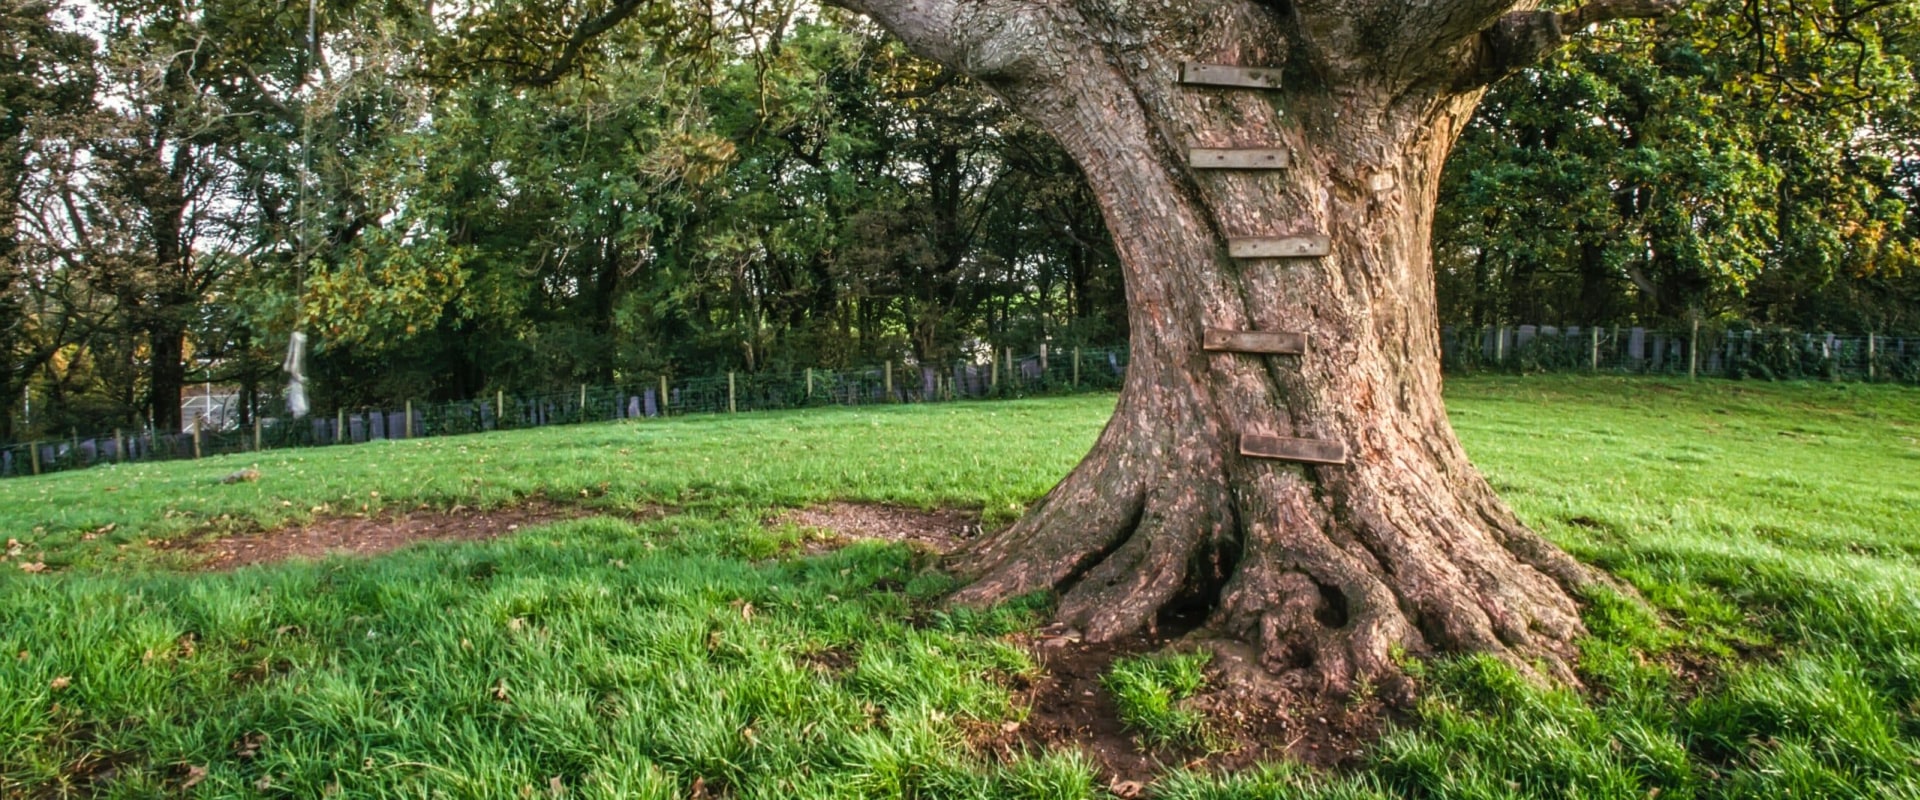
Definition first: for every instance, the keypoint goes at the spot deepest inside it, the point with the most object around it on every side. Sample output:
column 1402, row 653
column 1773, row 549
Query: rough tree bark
column 1326, row 570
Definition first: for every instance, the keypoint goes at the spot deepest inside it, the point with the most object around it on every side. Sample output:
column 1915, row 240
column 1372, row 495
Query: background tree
column 1739, row 163
column 45, row 73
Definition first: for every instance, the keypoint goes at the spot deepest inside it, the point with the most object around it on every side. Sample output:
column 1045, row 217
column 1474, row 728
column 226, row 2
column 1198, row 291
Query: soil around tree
column 367, row 535
column 843, row 523
column 1069, row 708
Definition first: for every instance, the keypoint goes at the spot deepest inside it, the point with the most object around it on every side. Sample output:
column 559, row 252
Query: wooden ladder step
column 1281, row 448
column 1224, row 75
column 1240, row 158
column 1280, row 246
column 1270, row 342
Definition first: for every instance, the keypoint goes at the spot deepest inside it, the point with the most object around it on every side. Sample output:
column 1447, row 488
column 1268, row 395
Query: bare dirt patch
column 941, row 531
column 1069, row 708
column 372, row 534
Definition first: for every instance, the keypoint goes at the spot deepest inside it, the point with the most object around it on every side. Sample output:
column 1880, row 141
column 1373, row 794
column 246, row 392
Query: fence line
column 1003, row 376
column 1764, row 355
column 1696, row 351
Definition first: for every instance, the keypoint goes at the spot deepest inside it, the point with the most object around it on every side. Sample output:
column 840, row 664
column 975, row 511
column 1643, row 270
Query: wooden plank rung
column 1270, row 342
column 1225, row 75
column 1239, row 158
column 1280, row 246
column 1282, row 448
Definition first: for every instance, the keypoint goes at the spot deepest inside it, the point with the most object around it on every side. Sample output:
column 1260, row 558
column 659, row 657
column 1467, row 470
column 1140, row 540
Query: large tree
column 1326, row 570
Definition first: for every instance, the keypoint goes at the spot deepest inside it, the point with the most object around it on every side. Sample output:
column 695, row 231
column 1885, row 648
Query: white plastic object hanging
column 296, row 367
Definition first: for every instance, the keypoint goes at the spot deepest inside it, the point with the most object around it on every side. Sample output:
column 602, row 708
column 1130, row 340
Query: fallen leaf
column 698, row 791
column 746, row 612
column 34, row 566
column 555, row 787
column 1009, row 727
column 1126, row 789
column 500, row 690
column 61, row 682
column 195, row 774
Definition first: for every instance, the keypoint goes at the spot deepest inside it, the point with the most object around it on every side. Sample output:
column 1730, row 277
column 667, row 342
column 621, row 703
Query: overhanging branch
column 1523, row 38
column 581, row 37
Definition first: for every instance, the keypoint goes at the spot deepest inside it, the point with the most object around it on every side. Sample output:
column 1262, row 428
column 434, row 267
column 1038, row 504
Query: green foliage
column 1742, row 160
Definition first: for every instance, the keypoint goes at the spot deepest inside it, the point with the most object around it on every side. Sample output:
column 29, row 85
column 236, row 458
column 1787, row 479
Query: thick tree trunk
column 166, row 376
column 1328, row 570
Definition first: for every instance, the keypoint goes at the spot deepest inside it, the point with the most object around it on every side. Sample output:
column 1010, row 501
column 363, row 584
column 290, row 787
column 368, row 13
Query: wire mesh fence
column 1003, row 376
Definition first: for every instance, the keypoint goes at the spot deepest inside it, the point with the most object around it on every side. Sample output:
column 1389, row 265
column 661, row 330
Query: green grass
column 1774, row 528
column 1147, row 690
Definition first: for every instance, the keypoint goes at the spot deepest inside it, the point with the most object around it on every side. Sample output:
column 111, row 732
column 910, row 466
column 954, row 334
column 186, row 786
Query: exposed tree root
column 1330, row 583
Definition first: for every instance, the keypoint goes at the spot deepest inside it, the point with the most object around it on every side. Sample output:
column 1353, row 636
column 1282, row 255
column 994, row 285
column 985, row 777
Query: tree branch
column 977, row 38
column 1523, row 38
column 582, row 36
column 928, row 27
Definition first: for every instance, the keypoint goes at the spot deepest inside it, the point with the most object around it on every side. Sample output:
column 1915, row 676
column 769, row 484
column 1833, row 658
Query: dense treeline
column 452, row 200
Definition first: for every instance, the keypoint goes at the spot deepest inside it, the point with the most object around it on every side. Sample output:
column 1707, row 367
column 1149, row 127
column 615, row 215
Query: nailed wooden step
column 1224, row 75
column 1272, row 342
column 1310, row 451
column 1280, row 247
column 1239, row 158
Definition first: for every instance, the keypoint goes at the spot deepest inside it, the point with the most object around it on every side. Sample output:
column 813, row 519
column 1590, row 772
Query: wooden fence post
column 663, row 395
column 119, row 446
column 256, row 432
column 406, row 427
column 889, row 380
column 196, row 436
column 993, row 368
column 1076, row 368
column 340, row 426
column 730, row 407
column 583, row 402
column 33, row 452
column 1500, row 346
column 1870, row 355
column 1593, row 358
column 809, row 383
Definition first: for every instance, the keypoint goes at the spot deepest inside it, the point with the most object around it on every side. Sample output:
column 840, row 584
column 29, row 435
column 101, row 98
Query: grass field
column 1775, row 528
